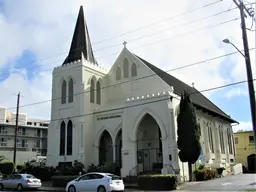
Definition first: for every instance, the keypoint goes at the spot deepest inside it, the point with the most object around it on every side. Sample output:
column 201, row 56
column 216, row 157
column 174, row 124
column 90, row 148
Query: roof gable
column 197, row 98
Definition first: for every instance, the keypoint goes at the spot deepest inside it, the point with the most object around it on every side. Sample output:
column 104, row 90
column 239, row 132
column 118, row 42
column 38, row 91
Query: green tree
column 188, row 133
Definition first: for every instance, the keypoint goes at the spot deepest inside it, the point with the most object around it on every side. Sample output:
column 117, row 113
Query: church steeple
column 81, row 43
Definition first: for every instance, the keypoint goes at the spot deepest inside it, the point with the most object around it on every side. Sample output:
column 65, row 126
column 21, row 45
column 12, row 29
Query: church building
column 127, row 114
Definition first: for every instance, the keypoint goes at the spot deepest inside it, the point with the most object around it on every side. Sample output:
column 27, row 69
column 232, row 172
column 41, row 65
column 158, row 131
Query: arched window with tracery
column 126, row 68
column 98, row 93
column 134, row 70
column 62, row 138
column 63, row 92
column 69, row 138
column 70, row 90
column 92, row 90
column 118, row 73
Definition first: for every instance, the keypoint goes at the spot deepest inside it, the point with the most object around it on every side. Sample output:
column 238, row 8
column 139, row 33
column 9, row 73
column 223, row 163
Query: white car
column 20, row 182
column 100, row 182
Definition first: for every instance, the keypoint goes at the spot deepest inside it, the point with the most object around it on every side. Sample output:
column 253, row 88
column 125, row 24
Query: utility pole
column 16, row 131
column 248, row 64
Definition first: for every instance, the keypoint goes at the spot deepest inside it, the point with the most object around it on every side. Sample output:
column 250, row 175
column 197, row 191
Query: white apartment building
column 31, row 137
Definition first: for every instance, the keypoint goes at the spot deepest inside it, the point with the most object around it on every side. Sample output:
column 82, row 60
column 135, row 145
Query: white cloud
column 236, row 92
column 244, row 126
column 31, row 92
column 46, row 28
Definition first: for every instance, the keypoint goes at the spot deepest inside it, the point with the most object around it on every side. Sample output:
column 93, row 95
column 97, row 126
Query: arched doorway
column 118, row 147
column 251, row 160
column 149, row 146
column 105, row 149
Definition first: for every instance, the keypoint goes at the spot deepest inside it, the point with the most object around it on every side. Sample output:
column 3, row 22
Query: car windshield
column 30, row 177
column 114, row 177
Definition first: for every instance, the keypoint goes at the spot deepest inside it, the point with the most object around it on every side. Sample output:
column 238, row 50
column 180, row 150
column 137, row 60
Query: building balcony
column 5, row 147
column 24, row 135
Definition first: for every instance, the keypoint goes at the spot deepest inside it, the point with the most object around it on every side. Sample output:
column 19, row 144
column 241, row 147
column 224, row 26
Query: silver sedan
column 20, row 182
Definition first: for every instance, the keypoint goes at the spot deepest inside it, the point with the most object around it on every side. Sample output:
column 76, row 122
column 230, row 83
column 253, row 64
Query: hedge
column 157, row 182
column 205, row 174
column 43, row 173
column 6, row 168
column 61, row 181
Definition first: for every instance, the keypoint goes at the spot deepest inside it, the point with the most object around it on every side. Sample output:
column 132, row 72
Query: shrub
column 6, row 167
column 20, row 167
column 61, row 181
column 205, row 174
column 157, row 182
column 43, row 173
column 113, row 168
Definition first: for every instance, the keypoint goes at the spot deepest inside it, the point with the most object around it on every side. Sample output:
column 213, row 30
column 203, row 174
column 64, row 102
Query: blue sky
column 40, row 30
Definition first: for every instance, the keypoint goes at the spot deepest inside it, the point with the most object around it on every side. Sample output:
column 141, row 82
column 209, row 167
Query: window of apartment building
column 24, row 143
column 23, row 131
column 18, row 143
column 236, row 140
column 3, row 130
column 251, row 139
column 3, row 141
column 38, row 144
column 38, row 133
column 29, row 123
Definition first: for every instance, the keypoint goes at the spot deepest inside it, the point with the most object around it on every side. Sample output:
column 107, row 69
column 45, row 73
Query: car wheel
column 72, row 188
column 101, row 189
column 1, row 186
column 19, row 187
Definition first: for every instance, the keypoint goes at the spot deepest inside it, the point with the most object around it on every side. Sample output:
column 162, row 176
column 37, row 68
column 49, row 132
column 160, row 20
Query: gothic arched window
column 98, row 93
column 92, row 90
column 63, row 92
column 69, row 138
column 118, row 73
column 126, row 68
column 62, row 138
column 70, row 90
column 134, row 70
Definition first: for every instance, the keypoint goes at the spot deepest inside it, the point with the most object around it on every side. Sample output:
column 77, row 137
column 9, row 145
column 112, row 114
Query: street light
column 250, row 80
column 228, row 42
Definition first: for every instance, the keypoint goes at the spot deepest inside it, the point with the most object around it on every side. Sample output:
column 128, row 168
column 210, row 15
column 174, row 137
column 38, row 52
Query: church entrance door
column 149, row 146
column 105, row 149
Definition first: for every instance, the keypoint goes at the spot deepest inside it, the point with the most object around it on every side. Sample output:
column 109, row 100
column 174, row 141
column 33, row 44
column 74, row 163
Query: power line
column 173, row 27
column 128, row 81
column 163, row 40
column 170, row 18
column 120, row 108
column 137, row 38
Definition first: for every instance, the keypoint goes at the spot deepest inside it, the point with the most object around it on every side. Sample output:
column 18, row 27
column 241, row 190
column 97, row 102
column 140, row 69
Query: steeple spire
column 81, row 43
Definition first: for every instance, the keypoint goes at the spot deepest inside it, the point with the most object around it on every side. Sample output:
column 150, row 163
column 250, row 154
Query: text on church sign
column 109, row 117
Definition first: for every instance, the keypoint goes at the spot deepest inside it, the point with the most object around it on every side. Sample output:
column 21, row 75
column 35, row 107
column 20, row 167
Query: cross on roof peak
column 124, row 43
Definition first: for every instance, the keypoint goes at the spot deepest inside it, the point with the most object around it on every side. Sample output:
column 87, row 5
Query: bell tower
column 74, row 96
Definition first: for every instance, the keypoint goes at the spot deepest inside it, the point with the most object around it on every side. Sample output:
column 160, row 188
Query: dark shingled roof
column 198, row 99
column 81, row 42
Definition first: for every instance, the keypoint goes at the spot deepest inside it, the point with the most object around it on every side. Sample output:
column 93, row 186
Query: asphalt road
column 230, row 183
